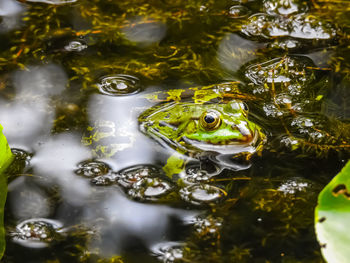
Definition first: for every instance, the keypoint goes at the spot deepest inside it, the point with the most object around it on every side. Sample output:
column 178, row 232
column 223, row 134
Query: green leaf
column 5, row 159
column 332, row 218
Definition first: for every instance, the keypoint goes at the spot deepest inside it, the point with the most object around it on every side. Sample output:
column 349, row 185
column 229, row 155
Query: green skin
column 180, row 126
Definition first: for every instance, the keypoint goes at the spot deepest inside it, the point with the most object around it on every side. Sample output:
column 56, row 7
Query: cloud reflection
column 29, row 116
column 124, row 141
column 144, row 31
column 43, row 81
column 10, row 12
column 122, row 222
column 27, row 200
column 117, row 221
column 235, row 51
column 56, row 160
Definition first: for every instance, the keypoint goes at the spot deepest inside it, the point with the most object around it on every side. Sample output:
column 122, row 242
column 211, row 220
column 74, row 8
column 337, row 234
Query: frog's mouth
column 246, row 144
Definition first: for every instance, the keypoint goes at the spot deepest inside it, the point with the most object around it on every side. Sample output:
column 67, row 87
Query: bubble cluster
column 208, row 226
column 197, row 174
column 294, row 185
column 286, row 44
column 36, row 232
column 307, row 126
column 168, row 252
column 279, row 70
column 199, row 194
column 144, row 182
column 302, row 26
column 284, row 7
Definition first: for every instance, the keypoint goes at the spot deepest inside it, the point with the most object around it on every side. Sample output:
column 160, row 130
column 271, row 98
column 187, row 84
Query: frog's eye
column 244, row 107
column 210, row 120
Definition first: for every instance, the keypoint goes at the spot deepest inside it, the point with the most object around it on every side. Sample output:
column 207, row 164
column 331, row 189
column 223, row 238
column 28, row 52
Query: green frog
column 203, row 129
column 214, row 126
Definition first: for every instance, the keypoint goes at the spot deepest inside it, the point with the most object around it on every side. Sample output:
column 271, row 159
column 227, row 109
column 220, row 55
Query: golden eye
column 210, row 120
column 245, row 107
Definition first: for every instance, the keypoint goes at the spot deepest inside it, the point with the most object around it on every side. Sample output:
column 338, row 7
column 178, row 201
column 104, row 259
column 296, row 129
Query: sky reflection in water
column 115, row 219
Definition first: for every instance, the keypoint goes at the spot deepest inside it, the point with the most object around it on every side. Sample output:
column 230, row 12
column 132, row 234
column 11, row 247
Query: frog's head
column 198, row 129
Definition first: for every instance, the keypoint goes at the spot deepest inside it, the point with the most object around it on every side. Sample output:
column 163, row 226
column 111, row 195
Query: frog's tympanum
column 197, row 130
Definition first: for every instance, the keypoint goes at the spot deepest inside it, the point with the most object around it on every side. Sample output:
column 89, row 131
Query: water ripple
column 119, row 85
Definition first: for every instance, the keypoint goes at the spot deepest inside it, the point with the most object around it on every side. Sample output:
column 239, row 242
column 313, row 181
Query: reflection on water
column 28, row 200
column 39, row 82
column 10, row 12
column 25, row 122
column 53, row 2
column 144, row 31
column 29, row 116
column 121, row 222
column 117, row 221
column 119, row 134
column 56, row 159
column 235, row 51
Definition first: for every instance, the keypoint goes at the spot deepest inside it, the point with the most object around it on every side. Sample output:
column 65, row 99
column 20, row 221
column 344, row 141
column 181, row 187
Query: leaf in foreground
column 5, row 160
column 332, row 218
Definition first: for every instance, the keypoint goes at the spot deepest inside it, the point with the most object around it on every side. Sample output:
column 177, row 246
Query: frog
column 200, row 130
column 220, row 132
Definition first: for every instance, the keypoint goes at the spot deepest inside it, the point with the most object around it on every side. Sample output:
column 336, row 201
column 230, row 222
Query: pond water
column 92, row 181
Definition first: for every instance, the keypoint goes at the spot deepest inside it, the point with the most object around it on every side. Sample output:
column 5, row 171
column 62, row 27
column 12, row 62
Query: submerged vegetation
column 80, row 78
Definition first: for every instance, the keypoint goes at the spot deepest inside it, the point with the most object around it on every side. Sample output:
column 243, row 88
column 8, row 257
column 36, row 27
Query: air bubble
column 202, row 194
column 21, row 158
column 238, row 11
column 144, row 182
column 92, row 169
column 119, row 85
column 75, row 46
column 150, row 189
column 129, row 176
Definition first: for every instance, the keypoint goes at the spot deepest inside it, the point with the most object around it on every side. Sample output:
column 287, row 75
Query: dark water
column 88, row 186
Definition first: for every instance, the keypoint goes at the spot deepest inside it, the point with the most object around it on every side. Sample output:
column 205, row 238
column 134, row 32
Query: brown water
column 88, row 186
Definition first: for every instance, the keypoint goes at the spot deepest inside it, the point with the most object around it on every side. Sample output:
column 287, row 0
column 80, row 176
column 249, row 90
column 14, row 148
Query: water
column 88, row 186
